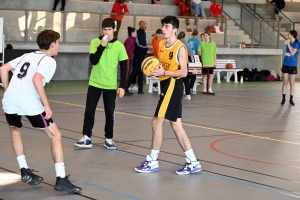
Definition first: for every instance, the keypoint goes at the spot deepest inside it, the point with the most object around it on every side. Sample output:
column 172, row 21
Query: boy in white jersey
column 25, row 95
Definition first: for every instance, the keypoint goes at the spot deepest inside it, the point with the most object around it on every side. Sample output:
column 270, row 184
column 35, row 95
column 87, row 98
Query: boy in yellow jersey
column 173, row 56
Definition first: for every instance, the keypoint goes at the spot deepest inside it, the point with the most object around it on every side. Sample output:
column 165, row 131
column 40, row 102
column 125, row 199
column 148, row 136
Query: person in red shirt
column 186, row 10
column 217, row 12
column 118, row 10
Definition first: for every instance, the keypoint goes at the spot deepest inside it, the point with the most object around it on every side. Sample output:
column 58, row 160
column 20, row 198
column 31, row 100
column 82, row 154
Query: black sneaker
column 292, row 103
column 63, row 184
column 30, row 178
column 141, row 92
column 127, row 93
column 282, row 102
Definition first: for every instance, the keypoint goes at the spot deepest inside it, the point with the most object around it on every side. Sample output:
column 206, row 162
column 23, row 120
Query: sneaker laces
column 83, row 138
column 185, row 166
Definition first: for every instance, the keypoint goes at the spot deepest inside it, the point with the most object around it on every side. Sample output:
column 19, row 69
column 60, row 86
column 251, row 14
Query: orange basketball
column 149, row 64
column 229, row 66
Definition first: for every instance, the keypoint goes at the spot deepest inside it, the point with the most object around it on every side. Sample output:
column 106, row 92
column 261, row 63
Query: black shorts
column 169, row 103
column 37, row 121
column 204, row 71
column 278, row 8
column 289, row 69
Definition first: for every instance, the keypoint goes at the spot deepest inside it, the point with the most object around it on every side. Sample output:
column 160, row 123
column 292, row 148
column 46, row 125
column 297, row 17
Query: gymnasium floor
column 248, row 145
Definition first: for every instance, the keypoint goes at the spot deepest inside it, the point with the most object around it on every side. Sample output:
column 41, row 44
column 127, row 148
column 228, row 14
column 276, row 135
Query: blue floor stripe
column 161, row 163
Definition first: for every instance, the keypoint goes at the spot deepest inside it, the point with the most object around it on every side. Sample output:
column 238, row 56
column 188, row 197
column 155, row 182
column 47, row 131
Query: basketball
column 229, row 66
column 149, row 64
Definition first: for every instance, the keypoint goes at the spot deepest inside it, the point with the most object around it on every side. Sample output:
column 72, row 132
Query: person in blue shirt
column 194, row 42
column 289, row 66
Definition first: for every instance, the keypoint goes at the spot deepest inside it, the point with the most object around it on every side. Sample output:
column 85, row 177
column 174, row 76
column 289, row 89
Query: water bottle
column 242, row 79
column 228, row 45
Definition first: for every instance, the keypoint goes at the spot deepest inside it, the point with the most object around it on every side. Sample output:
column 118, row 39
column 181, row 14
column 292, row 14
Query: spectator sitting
column 217, row 12
column 119, row 8
column 185, row 10
column 198, row 8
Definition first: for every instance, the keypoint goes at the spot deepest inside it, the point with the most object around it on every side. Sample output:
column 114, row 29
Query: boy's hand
column 48, row 112
column 121, row 92
column 104, row 41
column 158, row 71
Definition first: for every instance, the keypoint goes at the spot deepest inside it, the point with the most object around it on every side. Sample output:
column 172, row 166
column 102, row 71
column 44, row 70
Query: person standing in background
column 63, row 3
column 129, row 46
column 155, row 41
column 140, row 53
column 187, row 85
column 290, row 64
column 279, row 5
column 118, row 10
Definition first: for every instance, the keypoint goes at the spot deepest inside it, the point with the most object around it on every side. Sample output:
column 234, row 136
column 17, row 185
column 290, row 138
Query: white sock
column 22, row 162
column 190, row 156
column 219, row 24
column 154, row 154
column 60, row 170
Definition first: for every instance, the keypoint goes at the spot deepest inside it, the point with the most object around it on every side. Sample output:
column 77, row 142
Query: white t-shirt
column 21, row 96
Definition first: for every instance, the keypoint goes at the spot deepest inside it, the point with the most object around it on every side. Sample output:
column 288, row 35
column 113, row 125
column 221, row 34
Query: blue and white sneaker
column 148, row 165
column 109, row 144
column 84, row 142
column 190, row 168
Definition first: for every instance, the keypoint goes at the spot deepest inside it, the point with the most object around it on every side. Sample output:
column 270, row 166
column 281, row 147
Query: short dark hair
column 108, row 22
column 195, row 33
column 46, row 37
column 170, row 20
column 181, row 35
column 130, row 30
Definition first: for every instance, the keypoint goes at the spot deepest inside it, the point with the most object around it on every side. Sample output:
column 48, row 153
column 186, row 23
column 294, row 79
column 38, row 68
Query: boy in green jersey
column 106, row 53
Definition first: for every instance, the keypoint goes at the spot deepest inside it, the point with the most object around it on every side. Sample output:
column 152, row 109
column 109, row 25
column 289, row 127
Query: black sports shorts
column 169, row 104
column 37, row 121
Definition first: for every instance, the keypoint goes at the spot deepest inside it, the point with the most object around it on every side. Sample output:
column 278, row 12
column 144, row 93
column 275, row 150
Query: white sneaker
column 188, row 97
column 210, row 90
column 204, row 90
column 134, row 88
column 155, row 89
column 194, row 92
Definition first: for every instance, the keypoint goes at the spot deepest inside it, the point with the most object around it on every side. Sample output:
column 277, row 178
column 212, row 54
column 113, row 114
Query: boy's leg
column 192, row 164
column 151, row 163
column 55, row 4
column 92, row 99
column 109, row 101
column 62, row 181
column 63, row 3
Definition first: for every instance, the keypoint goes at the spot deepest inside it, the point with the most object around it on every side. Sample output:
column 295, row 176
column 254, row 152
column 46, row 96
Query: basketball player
column 25, row 95
column 173, row 56
column 106, row 53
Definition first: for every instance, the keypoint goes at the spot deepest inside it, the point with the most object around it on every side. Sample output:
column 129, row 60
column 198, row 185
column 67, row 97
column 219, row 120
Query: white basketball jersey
column 21, row 96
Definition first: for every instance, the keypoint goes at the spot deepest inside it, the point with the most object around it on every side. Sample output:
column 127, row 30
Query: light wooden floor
column 248, row 145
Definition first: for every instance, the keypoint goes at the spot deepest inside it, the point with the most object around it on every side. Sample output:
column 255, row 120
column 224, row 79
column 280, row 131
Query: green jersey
column 104, row 73
column 208, row 50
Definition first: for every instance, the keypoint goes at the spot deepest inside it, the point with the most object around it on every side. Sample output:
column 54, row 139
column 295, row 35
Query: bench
column 221, row 67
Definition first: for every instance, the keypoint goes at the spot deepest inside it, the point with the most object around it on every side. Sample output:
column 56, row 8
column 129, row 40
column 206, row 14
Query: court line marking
column 220, row 177
column 188, row 124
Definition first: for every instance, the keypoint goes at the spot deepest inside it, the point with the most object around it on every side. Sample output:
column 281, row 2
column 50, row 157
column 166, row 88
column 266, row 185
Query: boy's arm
column 38, row 84
column 124, row 74
column 4, row 75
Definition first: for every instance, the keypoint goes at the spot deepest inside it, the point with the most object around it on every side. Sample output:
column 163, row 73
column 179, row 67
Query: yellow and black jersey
column 168, row 57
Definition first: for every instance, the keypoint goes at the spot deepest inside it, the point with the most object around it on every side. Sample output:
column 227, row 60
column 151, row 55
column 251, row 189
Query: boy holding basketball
column 173, row 56
column 106, row 52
